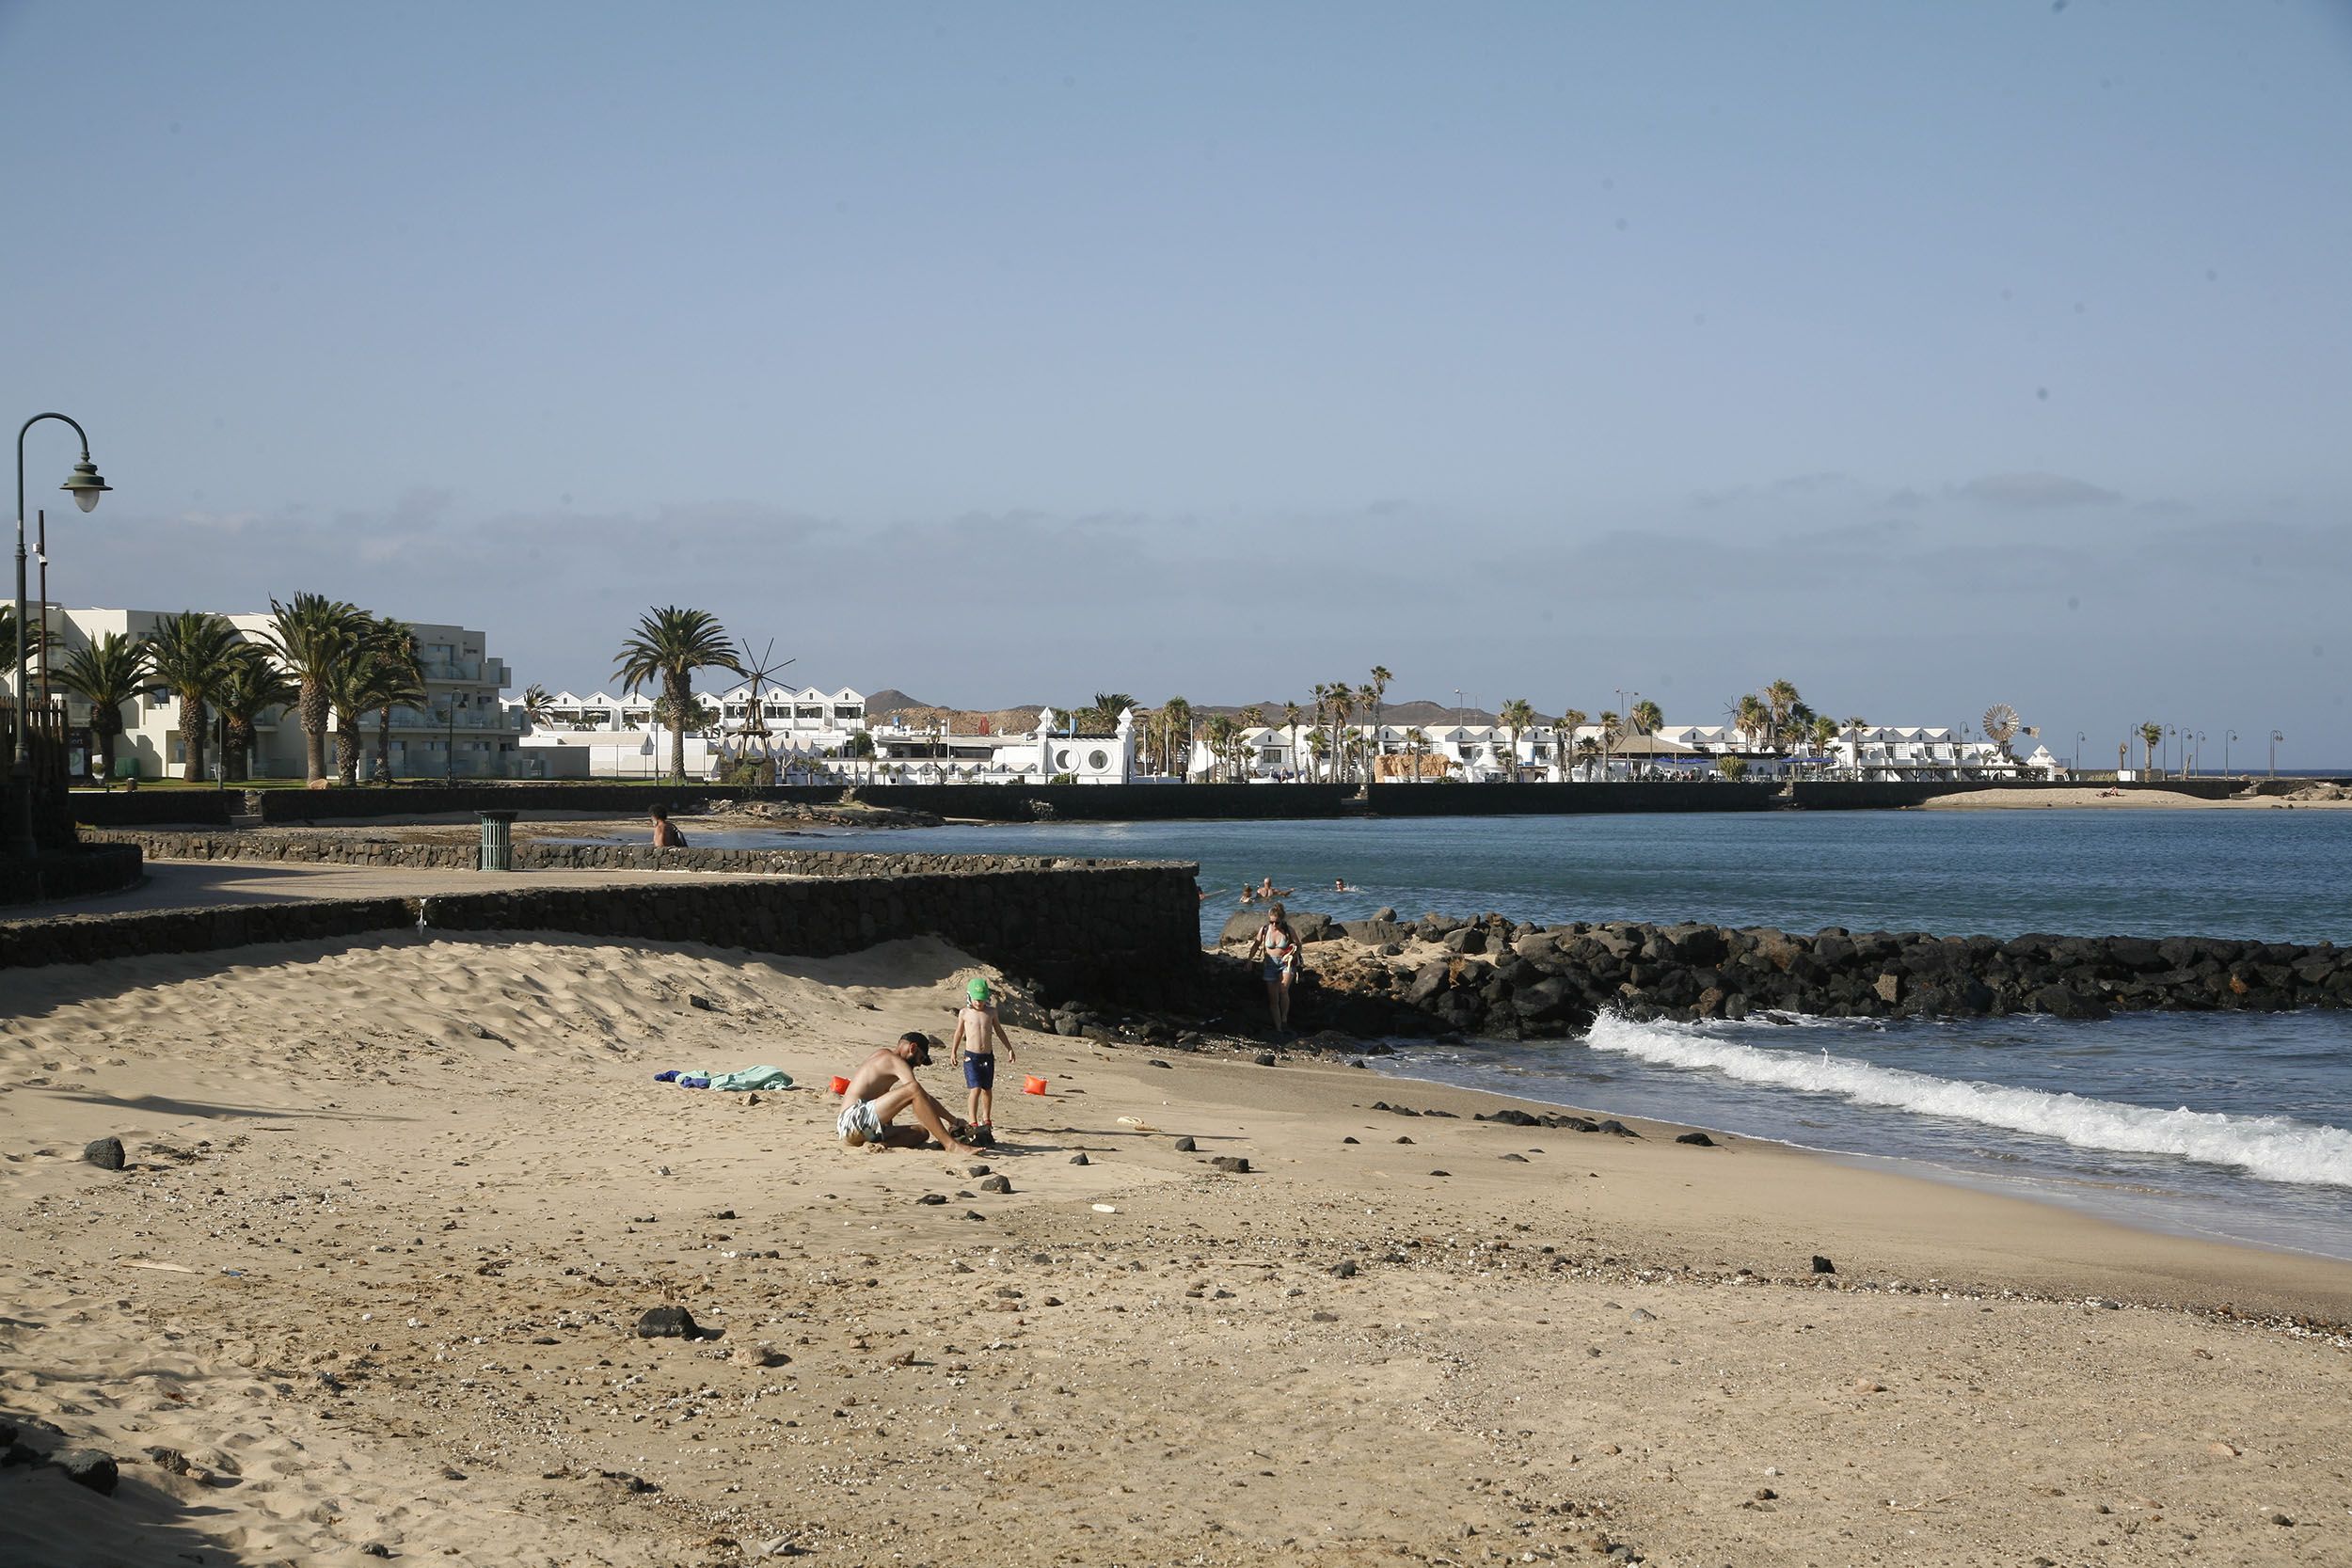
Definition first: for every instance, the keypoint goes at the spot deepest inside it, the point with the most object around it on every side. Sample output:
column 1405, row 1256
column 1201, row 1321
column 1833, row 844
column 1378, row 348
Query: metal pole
column 2275, row 739
column 40, row 555
column 20, row 762
column 2079, row 750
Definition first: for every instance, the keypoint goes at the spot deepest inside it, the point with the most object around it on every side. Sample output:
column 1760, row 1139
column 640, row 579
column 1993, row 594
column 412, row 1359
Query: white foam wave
column 2278, row 1148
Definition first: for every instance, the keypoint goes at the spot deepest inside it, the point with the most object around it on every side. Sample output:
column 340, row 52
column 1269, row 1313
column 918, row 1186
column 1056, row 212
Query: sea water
column 2228, row 1124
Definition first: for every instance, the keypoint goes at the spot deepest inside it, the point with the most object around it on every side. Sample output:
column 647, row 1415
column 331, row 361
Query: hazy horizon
column 1925, row 358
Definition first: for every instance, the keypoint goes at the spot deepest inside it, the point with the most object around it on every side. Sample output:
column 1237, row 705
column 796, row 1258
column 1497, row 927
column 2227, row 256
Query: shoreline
column 2040, row 1192
column 394, row 1209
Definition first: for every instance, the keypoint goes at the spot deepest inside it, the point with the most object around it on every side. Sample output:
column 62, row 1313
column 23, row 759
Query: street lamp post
column 2227, row 736
column 449, row 744
column 2275, row 739
column 2079, row 738
column 85, row 486
column 2200, row 752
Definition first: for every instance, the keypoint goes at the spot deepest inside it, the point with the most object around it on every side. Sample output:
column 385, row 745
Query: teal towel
column 752, row 1078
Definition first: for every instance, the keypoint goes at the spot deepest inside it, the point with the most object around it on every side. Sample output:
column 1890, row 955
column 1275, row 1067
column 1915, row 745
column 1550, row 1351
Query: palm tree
column 1781, row 701
column 1588, row 753
column 538, row 704
column 1854, row 729
column 1218, row 732
column 1417, row 743
column 191, row 652
column 1368, row 700
column 311, row 637
column 669, row 645
column 1647, row 717
column 1110, row 705
column 1611, row 728
column 255, row 685
column 2151, row 735
column 35, row 639
column 1377, row 692
column 1752, row 720
column 1517, row 716
column 396, row 679
column 1570, row 722
column 348, row 698
column 1343, row 708
column 1290, row 733
column 1732, row 768
column 1176, row 719
column 1319, row 748
column 106, row 673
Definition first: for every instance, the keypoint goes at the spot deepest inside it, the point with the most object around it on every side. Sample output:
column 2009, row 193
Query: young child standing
column 977, row 1030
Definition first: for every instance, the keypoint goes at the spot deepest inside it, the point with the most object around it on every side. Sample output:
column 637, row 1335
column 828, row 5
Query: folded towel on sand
column 752, row 1077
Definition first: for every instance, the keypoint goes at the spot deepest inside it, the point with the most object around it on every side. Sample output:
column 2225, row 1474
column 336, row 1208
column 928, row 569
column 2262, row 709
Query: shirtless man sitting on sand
column 884, row 1084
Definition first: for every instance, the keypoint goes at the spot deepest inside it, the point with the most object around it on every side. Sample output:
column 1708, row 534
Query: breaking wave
column 2278, row 1148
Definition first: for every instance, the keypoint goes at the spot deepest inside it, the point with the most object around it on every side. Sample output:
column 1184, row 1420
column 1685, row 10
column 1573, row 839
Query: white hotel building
column 810, row 736
column 602, row 735
column 460, row 730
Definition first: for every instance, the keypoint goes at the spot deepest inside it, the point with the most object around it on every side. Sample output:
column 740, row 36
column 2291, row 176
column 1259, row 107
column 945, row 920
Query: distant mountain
column 882, row 707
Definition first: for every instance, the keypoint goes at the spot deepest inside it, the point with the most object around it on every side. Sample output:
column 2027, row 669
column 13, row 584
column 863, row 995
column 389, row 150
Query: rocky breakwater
column 1496, row 976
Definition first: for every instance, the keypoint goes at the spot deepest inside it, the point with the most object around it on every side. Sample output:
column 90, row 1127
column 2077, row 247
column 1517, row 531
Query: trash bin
column 498, row 841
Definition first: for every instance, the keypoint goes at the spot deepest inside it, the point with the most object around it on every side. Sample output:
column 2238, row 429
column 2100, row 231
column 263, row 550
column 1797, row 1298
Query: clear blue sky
column 1928, row 356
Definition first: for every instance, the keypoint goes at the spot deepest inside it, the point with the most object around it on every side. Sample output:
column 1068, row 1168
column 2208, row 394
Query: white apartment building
column 809, row 736
column 604, row 735
column 460, row 730
column 1483, row 753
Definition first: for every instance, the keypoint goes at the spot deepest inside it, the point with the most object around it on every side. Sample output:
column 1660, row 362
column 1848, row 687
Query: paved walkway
column 195, row 884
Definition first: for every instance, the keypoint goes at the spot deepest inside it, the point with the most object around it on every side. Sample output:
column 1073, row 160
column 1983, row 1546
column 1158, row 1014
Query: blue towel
column 694, row 1080
column 669, row 1077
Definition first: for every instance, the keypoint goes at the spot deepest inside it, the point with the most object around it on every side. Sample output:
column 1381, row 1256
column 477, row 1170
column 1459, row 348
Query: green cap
column 977, row 989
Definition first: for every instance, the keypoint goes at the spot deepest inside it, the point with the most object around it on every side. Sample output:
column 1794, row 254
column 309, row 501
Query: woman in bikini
column 1278, row 946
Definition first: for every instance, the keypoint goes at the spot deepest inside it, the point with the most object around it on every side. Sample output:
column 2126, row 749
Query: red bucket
column 1033, row 1085
column 841, row 1085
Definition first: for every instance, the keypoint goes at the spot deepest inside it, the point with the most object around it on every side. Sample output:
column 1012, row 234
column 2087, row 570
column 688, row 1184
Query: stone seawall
column 1499, row 978
column 1128, row 933
column 1001, row 802
column 335, row 850
column 73, row 872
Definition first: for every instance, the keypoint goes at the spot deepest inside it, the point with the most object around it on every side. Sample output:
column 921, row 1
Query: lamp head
column 85, row 485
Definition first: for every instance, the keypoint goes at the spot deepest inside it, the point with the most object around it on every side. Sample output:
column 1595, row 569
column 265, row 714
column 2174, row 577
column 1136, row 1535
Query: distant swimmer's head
column 976, row 989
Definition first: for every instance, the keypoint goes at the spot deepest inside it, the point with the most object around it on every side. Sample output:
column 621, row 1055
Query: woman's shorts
column 979, row 1070
column 1276, row 968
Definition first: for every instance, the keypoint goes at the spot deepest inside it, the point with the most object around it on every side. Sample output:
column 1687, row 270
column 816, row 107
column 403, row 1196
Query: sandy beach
column 2129, row 800
column 369, row 1289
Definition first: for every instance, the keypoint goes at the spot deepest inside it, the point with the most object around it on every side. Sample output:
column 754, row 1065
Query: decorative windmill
column 2001, row 725
column 754, row 724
